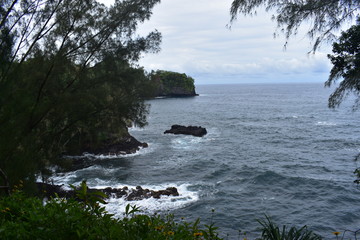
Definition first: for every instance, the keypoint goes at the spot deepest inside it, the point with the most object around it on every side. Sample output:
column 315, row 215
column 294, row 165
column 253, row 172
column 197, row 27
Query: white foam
column 213, row 132
column 117, row 206
column 135, row 129
column 325, row 124
column 141, row 151
column 185, row 142
column 64, row 179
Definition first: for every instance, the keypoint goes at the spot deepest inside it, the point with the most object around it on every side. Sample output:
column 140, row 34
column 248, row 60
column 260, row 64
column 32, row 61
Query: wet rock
column 50, row 190
column 111, row 148
column 126, row 145
column 189, row 130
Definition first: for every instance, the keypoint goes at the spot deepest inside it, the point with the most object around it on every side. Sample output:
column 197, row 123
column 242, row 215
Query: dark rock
column 125, row 145
column 190, row 130
column 50, row 190
column 112, row 145
column 172, row 191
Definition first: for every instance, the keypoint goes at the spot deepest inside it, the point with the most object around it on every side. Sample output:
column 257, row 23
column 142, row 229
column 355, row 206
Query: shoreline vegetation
column 68, row 85
column 83, row 216
column 161, row 84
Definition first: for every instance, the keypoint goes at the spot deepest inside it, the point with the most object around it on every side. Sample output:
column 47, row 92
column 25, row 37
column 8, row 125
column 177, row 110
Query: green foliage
column 346, row 66
column 172, row 83
column 23, row 217
column 324, row 17
column 67, row 78
column 90, row 199
column 28, row 218
column 271, row 231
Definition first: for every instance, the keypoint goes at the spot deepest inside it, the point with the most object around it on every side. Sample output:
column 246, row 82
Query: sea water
column 271, row 149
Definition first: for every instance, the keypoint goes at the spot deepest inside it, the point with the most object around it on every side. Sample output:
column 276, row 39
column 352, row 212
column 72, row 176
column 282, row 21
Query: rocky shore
column 114, row 147
column 129, row 194
column 125, row 145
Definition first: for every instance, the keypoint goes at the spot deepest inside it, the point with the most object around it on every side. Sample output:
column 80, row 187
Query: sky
column 197, row 41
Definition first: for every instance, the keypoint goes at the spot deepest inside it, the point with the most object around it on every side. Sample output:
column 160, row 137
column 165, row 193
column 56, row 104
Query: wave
column 117, row 206
column 191, row 142
column 187, row 142
column 325, row 124
column 135, row 129
column 141, row 151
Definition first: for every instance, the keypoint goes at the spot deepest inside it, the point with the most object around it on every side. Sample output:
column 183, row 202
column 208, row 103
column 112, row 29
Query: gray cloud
column 197, row 42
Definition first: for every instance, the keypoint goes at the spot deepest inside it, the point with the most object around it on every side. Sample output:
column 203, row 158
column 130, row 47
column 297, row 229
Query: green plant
column 89, row 199
column 23, row 217
column 270, row 231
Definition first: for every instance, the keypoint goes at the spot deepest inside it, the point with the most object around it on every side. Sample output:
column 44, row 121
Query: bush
column 23, row 217
column 271, row 231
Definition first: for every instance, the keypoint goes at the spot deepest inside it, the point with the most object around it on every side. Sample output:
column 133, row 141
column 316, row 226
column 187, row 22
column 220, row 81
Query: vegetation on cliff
column 171, row 84
column 67, row 78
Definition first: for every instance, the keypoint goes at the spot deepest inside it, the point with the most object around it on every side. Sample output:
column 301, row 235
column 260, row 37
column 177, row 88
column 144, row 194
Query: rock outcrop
column 112, row 148
column 129, row 194
column 125, row 145
column 189, row 130
column 172, row 84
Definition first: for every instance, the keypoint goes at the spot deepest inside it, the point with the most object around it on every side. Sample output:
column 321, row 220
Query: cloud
column 197, row 42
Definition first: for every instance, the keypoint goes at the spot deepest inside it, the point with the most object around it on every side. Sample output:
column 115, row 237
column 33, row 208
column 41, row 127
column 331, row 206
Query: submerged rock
column 189, row 130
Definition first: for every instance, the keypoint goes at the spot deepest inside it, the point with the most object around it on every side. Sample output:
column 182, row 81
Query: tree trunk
column 6, row 183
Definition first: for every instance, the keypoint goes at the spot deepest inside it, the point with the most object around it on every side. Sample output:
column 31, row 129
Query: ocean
column 271, row 149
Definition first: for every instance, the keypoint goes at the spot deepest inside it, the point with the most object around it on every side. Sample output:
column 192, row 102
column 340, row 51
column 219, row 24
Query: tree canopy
column 168, row 83
column 346, row 66
column 324, row 17
column 67, row 72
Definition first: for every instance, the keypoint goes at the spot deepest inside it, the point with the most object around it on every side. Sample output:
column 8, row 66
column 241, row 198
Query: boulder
column 189, row 130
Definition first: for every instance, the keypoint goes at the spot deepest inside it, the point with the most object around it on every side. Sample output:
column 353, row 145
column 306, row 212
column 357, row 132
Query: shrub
column 23, row 217
column 271, row 231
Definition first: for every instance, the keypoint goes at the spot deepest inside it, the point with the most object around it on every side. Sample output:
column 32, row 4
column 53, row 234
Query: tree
column 67, row 73
column 346, row 66
column 324, row 17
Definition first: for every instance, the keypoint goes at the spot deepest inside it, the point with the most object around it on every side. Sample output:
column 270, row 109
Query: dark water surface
column 271, row 149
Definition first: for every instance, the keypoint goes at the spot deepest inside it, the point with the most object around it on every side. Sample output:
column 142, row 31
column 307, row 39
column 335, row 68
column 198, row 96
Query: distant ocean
column 273, row 149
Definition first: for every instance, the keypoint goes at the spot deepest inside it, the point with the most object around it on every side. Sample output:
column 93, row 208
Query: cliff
column 172, row 84
column 109, row 143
